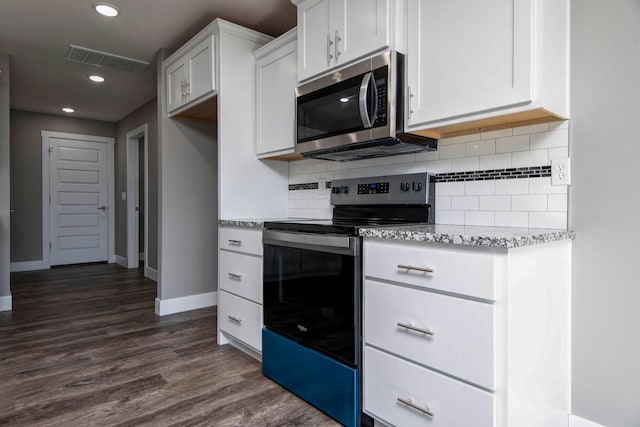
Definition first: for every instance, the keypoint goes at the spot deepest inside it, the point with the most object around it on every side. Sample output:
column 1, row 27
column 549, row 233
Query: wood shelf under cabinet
column 205, row 111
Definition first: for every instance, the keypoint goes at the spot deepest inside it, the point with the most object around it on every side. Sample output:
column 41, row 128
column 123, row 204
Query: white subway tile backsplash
column 495, row 203
column 428, row 155
column 452, row 151
column 543, row 186
column 480, row 218
column 512, row 144
column 465, row 138
column 443, row 202
column 479, row 188
column 513, row 202
column 557, row 203
column 535, row 202
column 464, row 164
column 512, row 186
column 552, row 139
column 512, row 219
column 464, row 203
column 530, row 158
column 495, row 161
column 480, row 148
column 547, row 219
column 450, row 217
column 450, row 188
column 540, row 127
column 501, row 133
column 439, row 166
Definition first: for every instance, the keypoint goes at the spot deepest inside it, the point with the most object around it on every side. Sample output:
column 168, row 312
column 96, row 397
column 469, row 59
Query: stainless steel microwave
column 356, row 113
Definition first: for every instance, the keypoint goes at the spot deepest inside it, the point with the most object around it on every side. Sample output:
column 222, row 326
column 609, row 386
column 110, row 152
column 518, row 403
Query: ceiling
column 37, row 33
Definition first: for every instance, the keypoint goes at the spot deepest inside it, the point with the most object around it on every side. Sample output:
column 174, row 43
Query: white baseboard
column 121, row 261
column 151, row 273
column 28, row 266
column 180, row 304
column 6, row 303
column 575, row 421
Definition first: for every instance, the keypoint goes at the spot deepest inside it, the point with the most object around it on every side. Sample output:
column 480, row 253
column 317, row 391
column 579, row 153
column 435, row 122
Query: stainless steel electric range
column 312, row 289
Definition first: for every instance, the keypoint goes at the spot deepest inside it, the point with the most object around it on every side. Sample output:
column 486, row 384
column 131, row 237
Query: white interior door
column 79, row 208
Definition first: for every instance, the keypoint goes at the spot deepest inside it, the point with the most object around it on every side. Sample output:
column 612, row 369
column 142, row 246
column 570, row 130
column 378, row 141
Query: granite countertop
column 250, row 223
column 496, row 237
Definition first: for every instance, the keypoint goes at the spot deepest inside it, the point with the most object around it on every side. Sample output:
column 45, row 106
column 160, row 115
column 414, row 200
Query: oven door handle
column 316, row 242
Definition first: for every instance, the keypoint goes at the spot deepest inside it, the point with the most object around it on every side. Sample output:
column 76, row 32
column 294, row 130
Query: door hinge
column 49, row 245
column 49, row 198
column 50, row 150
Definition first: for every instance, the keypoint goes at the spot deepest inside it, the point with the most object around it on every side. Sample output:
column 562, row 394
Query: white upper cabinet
column 276, row 79
column 191, row 76
column 469, row 62
column 332, row 33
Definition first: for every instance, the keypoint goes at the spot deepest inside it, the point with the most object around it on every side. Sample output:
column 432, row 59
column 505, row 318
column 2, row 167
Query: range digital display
column 374, row 188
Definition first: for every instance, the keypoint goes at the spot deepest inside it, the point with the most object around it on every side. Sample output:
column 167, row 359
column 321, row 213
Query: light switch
column 124, row 195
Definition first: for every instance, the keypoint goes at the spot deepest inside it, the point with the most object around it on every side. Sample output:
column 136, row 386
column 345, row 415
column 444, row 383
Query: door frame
column 46, row 195
column 133, row 179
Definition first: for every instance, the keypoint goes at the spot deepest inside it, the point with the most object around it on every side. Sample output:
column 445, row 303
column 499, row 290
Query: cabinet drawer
column 241, row 275
column 462, row 271
column 387, row 378
column 463, row 340
column 240, row 318
column 246, row 240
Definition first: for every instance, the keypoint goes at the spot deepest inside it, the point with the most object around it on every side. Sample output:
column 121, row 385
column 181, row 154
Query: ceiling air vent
column 103, row 59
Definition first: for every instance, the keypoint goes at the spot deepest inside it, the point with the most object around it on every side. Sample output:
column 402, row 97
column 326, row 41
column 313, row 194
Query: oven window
column 309, row 296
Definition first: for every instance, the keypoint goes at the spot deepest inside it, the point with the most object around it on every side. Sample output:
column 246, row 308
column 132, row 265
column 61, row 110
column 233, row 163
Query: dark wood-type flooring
column 83, row 347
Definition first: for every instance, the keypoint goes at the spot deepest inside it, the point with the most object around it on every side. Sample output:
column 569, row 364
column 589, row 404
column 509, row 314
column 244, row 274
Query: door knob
column 102, row 208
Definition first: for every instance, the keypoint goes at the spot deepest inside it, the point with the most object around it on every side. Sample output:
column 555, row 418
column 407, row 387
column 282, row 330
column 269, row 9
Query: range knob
column 335, row 190
column 344, row 190
column 404, row 186
column 417, row 186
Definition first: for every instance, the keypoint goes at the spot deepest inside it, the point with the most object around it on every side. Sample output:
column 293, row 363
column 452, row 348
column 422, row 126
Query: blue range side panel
column 320, row 380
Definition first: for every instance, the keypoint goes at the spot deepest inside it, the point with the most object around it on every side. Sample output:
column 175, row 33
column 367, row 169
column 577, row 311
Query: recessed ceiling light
column 106, row 9
column 344, row 99
column 68, row 110
column 96, row 78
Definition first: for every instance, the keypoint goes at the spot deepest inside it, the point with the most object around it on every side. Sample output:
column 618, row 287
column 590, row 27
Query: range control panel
column 415, row 188
column 374, row 188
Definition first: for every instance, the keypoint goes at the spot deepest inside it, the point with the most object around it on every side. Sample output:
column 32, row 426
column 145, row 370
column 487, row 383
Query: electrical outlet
column 561, row 171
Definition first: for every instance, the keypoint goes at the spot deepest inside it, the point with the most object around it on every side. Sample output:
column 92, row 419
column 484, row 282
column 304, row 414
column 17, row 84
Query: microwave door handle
column 364, row 111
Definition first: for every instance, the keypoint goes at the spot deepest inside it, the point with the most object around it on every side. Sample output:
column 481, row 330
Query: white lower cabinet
column 466, row 336
column 240, row 288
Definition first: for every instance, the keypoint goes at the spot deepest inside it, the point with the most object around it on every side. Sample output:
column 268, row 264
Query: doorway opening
column 137, row 197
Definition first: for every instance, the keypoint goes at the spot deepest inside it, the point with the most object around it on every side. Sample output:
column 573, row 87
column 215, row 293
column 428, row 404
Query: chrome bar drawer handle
column 235, row 242
column 413, row 328
column 235, row 319
column 235, row 276
column 410, row 403
column 411, row 267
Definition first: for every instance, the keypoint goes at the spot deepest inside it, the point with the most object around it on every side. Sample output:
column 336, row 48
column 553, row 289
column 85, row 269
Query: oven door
column 312, row 291
column 349, row 106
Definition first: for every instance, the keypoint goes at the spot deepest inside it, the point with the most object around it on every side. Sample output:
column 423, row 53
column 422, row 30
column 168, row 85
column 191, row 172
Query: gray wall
column 5, row 216
column 604, row 210
column 26, row 174
column 146, row 114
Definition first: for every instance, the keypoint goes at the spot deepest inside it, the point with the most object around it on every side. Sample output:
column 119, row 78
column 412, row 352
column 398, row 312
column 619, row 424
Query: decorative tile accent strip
column 307, row 186
column 492, row 174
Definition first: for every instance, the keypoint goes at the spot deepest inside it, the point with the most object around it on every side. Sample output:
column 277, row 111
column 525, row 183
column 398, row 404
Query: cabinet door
column 362, row 27
column 201, row 69
column 315, row 38
column 176, row 78
column 465, row 57
column 276, row 76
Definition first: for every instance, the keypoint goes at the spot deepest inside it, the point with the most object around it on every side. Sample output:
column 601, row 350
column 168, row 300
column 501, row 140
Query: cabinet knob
column 235, row 319
column 411, row 267
column 410, row 327
column 338, row 40
column 235, row 276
